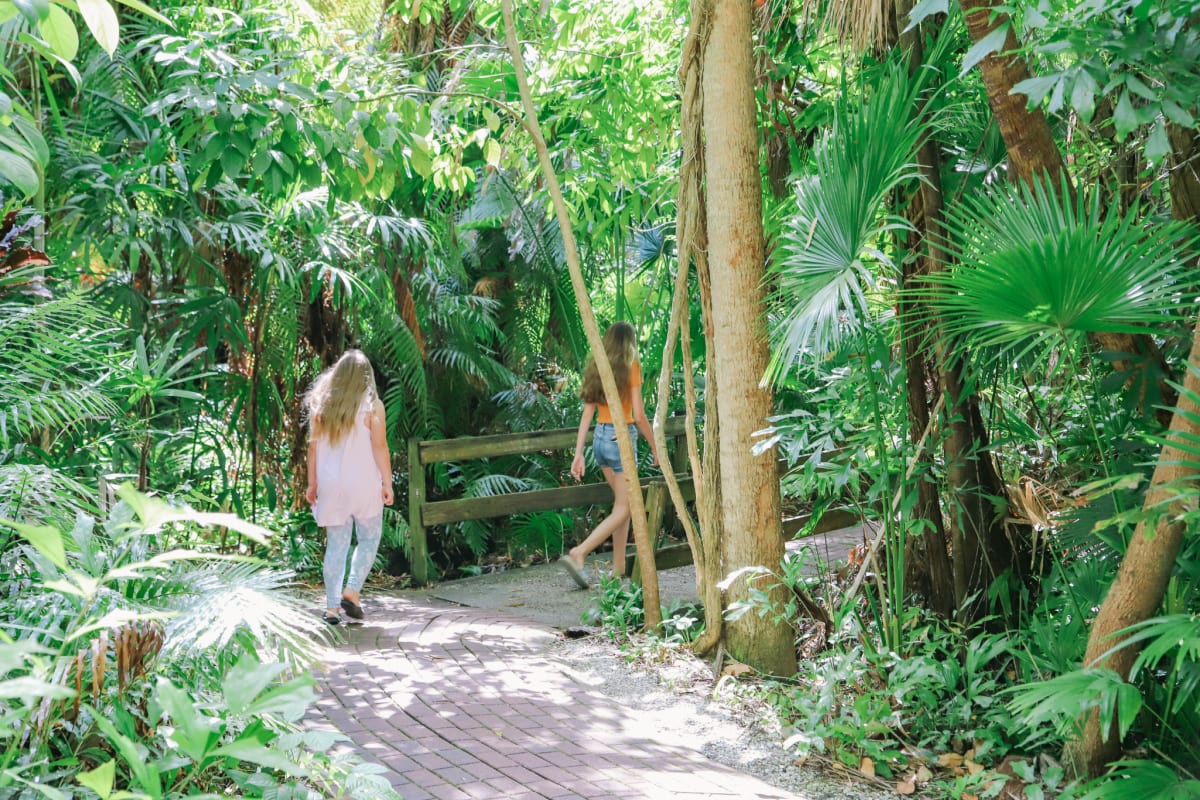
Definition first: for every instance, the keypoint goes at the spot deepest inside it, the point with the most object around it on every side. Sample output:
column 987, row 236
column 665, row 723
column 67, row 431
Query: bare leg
column 616, row 524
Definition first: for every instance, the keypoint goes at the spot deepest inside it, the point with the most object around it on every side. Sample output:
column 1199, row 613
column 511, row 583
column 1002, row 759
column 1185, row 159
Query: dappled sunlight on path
column 465, row 703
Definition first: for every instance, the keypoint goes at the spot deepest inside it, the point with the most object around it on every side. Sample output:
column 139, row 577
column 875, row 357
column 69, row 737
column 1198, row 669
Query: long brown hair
column 620, row 345
column 338, row 393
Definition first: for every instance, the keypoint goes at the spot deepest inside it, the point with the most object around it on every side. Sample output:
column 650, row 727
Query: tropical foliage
column 204, row 204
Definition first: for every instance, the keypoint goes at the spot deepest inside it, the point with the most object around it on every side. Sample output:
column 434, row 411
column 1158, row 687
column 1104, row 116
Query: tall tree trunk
column 980, row 545
column 749, row 483
column 693, row 242
column 1185, row 172
column 927, row 562
column 1141, row 581
column 1032, row 151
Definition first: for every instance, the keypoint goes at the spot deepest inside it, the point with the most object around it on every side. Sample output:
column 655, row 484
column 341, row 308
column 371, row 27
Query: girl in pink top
column 620, row 345
column 349, row 475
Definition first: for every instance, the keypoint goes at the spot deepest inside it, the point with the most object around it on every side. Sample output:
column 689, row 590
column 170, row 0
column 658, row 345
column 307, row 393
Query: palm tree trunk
column 927, row 562
column 1137, row 593
column 749, row 483
column 1032, row 151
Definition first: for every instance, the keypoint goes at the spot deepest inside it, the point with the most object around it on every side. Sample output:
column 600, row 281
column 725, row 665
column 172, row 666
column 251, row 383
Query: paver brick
column 459, row 704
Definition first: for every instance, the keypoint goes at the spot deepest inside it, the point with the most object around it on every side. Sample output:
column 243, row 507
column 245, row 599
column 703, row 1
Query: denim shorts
column 604, row 445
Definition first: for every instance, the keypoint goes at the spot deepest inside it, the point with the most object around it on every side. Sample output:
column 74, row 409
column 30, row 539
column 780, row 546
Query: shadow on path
column 464, row 703
column 452, row 690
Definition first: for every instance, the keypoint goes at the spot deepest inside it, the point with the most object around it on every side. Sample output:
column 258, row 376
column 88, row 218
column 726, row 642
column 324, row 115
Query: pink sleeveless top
column 348, row 481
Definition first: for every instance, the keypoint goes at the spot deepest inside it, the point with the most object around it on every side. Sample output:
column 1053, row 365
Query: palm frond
column 41, row 495
column 832, row 243
column 492, row 485
column 52, row 360
column 219, row 599
column 1036, row 268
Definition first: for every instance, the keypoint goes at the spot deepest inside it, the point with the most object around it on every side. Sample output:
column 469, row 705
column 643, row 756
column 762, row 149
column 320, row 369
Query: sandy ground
column 545, row 592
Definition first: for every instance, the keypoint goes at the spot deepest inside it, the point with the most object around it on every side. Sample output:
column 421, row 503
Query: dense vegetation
column 980, row 284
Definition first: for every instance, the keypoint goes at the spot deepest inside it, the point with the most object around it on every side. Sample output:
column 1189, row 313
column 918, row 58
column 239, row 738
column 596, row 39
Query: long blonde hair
column 338, row 393
column 620, row 345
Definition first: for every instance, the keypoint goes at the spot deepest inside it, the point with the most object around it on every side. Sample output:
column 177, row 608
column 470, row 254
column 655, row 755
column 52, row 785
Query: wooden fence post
column 419, row 552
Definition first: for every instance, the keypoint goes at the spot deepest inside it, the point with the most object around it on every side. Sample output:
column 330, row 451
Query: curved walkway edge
column 461, row 703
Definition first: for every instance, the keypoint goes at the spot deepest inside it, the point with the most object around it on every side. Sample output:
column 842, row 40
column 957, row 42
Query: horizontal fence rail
column 424, row 514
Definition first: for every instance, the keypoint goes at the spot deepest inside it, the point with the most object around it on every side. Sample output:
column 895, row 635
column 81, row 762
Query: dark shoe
column 353, row 610
column 332, row 619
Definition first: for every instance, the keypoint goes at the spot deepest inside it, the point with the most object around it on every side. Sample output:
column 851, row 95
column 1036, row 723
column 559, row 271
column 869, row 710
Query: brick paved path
column 463, row 703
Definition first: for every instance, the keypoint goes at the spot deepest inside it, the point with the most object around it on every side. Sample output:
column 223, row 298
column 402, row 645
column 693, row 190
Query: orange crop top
column 603, row 415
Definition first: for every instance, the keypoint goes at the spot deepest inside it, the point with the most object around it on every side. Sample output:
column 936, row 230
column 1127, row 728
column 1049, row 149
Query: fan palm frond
column 216, row 601
column 492, row 206
column 1036, row 268
column 832, row 243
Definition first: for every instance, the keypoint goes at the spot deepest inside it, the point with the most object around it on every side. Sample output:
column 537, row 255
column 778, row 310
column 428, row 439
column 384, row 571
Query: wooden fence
column 423, row 514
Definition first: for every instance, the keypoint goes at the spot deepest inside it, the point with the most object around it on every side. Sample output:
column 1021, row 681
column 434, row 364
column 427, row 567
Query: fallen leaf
column 972, row 767
column 923, row 774
column 867, row 767
column 906, row 786
column 950, row 760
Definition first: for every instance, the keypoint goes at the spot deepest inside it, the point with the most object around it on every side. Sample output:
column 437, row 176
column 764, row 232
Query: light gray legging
column 336, row 546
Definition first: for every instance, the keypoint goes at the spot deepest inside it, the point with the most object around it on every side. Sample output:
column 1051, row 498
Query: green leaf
column 1138, row 87
column 33, row 689
column 43, row 789
column 1036, row 89
column 34, row 11
column 231, row 162
column 985, row 47
column 1125, row 118
column 100, row 780
column 102, row 22
column 260, row 162
column 1177, row 114
column 247, row 680
column 1083, row 96
column 491, row 152
column 925, row 9
column 195, row 732
column 246, row 749
column 492, row 118
column 58, row 31
column 145, row 774
column 137, row 5
column 46, row 540
column 1157, row 146
column 33, row 137
column 18, row 171
column 15, row 655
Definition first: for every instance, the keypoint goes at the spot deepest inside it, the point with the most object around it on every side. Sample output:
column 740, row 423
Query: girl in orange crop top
column 620, row 345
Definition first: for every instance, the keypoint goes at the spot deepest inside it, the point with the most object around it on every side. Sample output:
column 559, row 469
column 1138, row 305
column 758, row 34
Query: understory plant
column 130, row 668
